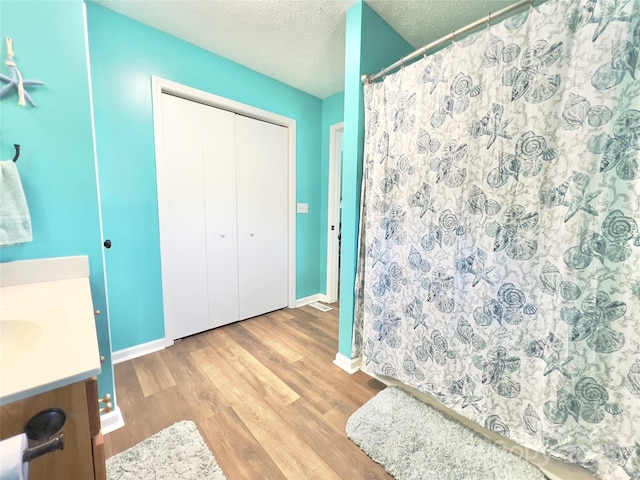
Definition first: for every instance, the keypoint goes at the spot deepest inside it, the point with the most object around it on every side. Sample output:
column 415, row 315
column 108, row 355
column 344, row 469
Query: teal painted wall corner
column 124, row 55
column 56, row 165
column 370, row 46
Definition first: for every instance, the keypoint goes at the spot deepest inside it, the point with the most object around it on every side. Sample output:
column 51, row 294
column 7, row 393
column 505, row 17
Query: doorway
column 334, row 211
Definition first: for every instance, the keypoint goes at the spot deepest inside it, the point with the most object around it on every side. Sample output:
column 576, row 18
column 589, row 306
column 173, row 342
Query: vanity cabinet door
column 76, row 460
column 97, row 441
column 99, row 459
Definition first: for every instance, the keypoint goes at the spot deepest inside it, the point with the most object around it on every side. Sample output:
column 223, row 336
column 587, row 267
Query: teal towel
column 15, row 221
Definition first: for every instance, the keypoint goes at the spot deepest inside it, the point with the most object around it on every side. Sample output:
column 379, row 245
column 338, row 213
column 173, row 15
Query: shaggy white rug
column 175, row 453
column 414, row 441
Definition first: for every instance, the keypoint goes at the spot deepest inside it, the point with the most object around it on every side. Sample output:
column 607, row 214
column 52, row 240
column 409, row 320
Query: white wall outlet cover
column 303, row 208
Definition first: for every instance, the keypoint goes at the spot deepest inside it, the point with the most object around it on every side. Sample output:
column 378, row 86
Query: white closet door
column 220, row 206
column 182, row 218
column 261, row 164
column 222, row 188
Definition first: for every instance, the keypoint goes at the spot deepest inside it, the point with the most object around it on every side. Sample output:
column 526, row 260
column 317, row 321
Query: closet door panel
column 182, row 218
column 220, row 205
column 261, row 165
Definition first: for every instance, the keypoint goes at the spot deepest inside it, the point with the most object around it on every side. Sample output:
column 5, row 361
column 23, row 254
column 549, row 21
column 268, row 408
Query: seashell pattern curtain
column 499, row 262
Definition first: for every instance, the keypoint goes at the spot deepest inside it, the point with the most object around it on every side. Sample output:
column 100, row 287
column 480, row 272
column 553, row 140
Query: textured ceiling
column 299, row 42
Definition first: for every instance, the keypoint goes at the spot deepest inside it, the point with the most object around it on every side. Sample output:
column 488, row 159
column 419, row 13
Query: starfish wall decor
column 15, row 80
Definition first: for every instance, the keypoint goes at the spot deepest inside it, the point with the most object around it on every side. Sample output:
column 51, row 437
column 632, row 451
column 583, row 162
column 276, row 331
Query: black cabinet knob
column 107, row 244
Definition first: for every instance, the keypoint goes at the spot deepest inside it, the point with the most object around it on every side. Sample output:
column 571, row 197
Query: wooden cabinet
column 83, row 454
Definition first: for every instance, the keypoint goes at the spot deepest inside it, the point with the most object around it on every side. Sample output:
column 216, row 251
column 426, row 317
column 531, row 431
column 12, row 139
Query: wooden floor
column 264, row 393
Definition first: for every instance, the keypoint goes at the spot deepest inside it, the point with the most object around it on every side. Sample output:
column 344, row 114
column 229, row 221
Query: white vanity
column 49, row 358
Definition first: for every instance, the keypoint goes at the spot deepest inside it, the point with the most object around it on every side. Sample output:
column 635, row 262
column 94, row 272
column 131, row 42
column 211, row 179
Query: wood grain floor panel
column 190, row 343
column 294, row 457
column 262, row 380
column 163, row 409
column 301, row 383
column 321, row 320
column 288, row 349
column 335, row 380
column 129, row 399
column 312, row 329
column 281, row 315
column 337, row 450
column 200, row 394
column 237, row 451
column 307, row 340
column 264, row 393
column 125, row 374
column 338, row 415
column 153, row 374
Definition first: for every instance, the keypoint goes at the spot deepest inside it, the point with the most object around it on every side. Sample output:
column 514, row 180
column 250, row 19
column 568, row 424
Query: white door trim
column 160, row 86
column 336, row 132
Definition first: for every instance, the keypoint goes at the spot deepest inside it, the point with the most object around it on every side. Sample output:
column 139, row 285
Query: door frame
column 336, row 133
column 161, row 85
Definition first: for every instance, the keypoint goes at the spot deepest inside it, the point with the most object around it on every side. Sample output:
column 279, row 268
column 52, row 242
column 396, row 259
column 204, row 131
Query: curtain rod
column 421, row 51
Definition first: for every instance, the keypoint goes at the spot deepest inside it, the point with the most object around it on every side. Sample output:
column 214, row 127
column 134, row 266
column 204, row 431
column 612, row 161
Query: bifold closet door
column 261, row 166
column 219, row 171
column 197, row 236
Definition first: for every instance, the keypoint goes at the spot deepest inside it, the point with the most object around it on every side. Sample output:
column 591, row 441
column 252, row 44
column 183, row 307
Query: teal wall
column 124, row 54
column 332, row 113
column 370, row 46
column 56, row 164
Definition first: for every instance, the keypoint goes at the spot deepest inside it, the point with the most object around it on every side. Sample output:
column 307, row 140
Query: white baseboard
column 318, row 297
column 349, row 365
column 136, row 351
column 111, row 421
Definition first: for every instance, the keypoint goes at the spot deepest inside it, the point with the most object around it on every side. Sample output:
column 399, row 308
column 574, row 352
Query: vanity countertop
column 47, row 330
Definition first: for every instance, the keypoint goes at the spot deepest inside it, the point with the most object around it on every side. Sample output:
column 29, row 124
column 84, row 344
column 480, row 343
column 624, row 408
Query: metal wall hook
column 15, row 157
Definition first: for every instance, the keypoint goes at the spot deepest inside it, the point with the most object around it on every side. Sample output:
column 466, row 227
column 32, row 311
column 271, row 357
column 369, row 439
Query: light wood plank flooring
column 264, row 393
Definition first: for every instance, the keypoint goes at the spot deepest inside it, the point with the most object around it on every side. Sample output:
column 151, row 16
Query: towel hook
column 15, row 157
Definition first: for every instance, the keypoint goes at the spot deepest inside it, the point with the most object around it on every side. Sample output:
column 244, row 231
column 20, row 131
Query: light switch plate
column 303, row 208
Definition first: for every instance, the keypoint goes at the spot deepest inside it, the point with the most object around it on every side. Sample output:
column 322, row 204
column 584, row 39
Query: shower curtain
column 499, row 263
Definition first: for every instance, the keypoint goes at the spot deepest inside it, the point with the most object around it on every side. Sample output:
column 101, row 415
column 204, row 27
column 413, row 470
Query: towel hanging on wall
column 15, row 220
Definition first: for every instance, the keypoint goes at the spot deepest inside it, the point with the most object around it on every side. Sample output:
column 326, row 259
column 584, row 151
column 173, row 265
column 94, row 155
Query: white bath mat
column 175, row 453
column 414, row 441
